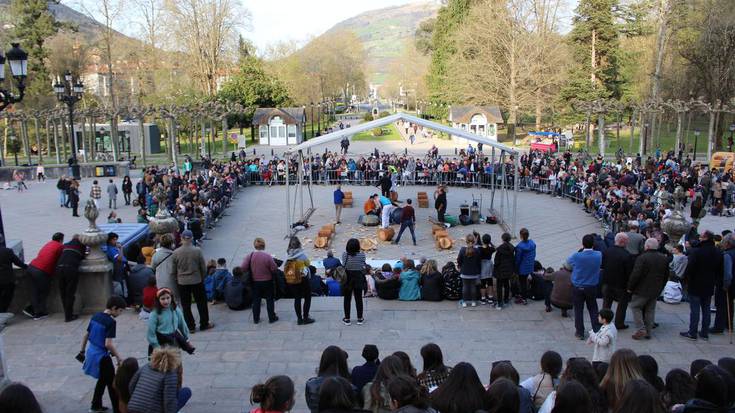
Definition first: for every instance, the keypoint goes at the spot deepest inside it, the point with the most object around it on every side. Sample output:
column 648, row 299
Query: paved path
column 238, row 354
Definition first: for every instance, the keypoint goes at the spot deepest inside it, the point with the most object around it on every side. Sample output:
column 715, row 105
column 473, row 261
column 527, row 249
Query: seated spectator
column 649, row 368
column 157, row 385
column 138, row 279
column 624, row 367
column 639, row 396
column 375, row 393
column 697, row 365
column 334, row 287
column 409, row 290
column 679, row 389
column 237, row 292
column 435, row 372
column 452, row 282
column 461, row 392
column 220, row 276
column 386, row 271
column 388, row 287
column 121, row 383
column 572, row 397
column 431, row 282
column 18, row 398
column 362, row 375
column 275, row 396
column 505, row 370
column 542, row 384
column 332, row 363
column 406, row 360
column 407, row 396
column 318, row 286
column 561, row 291
column 330, row 263
column 502, row 397
column 710, row 394
column 581, row 371
column 149, row 298
column 337, row 395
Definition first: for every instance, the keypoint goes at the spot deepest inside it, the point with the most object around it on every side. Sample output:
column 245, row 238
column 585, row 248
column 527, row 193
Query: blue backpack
column 209, row 287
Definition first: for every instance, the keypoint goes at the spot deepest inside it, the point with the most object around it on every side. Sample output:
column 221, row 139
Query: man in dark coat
column 617, row 263
column 649, row 276
column 385, row 184
column 704, row 268
column 7, row 278
column 67, row 272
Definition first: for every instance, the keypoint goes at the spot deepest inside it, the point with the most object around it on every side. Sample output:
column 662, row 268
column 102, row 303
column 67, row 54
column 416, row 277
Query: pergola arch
column 298, row 150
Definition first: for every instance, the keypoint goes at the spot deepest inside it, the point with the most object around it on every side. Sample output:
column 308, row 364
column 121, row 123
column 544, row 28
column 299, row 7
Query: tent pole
column 288, row 198
column 301, row 181
column 492, row 180
column 516, row 181
column 502, row 187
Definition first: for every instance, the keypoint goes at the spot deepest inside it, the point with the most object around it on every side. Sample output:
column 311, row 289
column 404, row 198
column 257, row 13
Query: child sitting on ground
column 149, row 298
column 605, row 339
column 221, row 275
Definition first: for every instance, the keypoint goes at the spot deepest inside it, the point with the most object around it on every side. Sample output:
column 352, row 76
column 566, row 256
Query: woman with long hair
column 353, row 261
column 639, row 396
column 18, row 398
column 624, row 367
column 276, row 395
column 375, row 394
column 462, row 392
column 434, row 372
column 572, row 397
column 469, row 259
column 580, row 370
column 542, row 384
column 431, row 282
column 332, row 363
column 121, row 382
column 407, row 396
column 297, row 268
column 337, row 395
column 505, row 370
column 679, row 388
column 156, row 387
column 502, row 397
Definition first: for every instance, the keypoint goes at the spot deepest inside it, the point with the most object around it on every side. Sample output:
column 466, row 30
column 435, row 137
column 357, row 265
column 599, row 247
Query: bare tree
column 108, row 12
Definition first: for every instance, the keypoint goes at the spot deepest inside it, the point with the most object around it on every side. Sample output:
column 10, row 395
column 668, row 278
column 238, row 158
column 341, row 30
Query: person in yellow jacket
column 297, row 276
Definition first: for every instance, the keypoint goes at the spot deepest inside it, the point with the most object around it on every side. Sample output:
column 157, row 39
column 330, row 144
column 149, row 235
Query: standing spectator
column 650, row 273
column 408, row 220
column 585, row 278
column 156, row 387
column 262, row 269
column 188, row 269
column 362, row 375
column 96, row 193
column 635, row 239
column 525, row 256
column 440, row 202
column 469, row 268
column 486, row 270
column 40, row 271
column 67, row 272
column 127, row 189
column 297, row 279
column 7, row 278
column 73, row 198
column 617, row 264
column 354, row 264
column 163, row 266
column 40, row 173
column 62, row 185
column 339, row 197
column 725, row 288
column 503, row 270
column 704, row 268
column 138, row 280
column 120, row 267
column 112, row 195
column 101, row 330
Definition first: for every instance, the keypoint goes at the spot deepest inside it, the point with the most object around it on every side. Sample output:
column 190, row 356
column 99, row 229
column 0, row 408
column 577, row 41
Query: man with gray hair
column 649, row 276
column 635, row 239
column 617, row 263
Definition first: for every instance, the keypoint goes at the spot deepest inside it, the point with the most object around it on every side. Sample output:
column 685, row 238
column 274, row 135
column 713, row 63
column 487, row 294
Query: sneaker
column 273, row 320
column 464, row 305
column 99, row 409
column 72, row 318
column 40, row 316
column 686, row 334
column 491, row 300
column 347, row 321
column 473, row 304
column 305, row 321
column 360, row 321
column 29, row 312
column 498, row 307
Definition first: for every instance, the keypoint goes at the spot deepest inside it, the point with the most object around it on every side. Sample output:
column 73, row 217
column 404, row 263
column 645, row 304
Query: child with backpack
column 214, row 283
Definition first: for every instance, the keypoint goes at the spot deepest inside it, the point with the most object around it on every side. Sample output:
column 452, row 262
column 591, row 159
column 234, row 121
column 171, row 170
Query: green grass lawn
column 392, row 135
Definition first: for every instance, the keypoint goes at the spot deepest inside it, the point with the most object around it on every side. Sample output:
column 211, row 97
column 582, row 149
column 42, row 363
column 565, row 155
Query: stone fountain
column 676, row 224
column 163, row 223
column 95, row 271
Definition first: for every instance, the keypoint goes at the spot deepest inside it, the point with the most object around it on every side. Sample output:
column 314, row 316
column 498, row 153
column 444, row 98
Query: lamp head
column 18, row 60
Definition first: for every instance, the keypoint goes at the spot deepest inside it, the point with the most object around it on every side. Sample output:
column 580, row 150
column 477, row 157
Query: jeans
column 68, row 280
column 547, row 286
column 126, row 195
column 6, row 296
column 723, row 308
column 611, row 294
column 107, row 376
column 112, row 203
column 697, row 304
column 502, row 290
column 469, row 289
column 62, row 197
column 200, row 295
column 182, row 397
column 301, row 291
column 440, row 214
column 581, row 297
column 40, row 283
column 404, row 225
column 263, row 289
column 347, row 293
column 644, row 312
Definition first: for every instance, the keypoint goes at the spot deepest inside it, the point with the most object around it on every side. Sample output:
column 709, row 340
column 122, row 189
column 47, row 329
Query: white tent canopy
column 338, row 135
column 298, row 150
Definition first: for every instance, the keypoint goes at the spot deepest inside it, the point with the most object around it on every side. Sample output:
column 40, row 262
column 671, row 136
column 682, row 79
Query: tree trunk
column 710, row 135
column 26, row 139
column 141, row 127
column 65, row 133
column 48, row 139
column 56, row 141
column 38, row 141
column 224, row 136
column 593, row 59
column 213, row 134
column 172, row 142
column 679, row 122
column 587, row 130
column 114, row 137
column 632, row 132
column 83, row 125
column 601, row 133
column 202, row 147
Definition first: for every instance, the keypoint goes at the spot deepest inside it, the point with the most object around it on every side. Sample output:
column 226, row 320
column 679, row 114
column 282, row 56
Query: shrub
column 377, row 132
column 367, row 117
column 383, row 114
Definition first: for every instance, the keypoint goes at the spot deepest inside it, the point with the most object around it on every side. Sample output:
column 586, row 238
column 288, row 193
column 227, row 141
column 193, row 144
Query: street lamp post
column 319, row 117
column 312, row 118
column 696, row 139
column 70, row 92
column 18, row 61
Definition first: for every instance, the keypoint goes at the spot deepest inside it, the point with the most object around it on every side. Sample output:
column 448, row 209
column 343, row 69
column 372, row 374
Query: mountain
column 384, row 33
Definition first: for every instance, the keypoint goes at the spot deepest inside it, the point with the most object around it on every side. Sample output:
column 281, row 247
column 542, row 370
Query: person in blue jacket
column 525, row 256
column 410, row 290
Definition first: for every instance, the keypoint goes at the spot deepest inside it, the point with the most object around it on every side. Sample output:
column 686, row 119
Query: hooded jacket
column 704, row 269
column 525, row 257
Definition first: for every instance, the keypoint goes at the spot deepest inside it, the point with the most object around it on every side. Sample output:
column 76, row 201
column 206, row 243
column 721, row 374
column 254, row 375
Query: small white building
column 479, row 120
column 279, row 126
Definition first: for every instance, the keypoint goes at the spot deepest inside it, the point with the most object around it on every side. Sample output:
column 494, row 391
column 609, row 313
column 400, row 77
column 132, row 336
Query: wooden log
column 435, row 228
column 321, row 242
column 444, row 243
column 394, row 196
column 324, row 233
column 441, row 234
column 423, row 203
column 422, row 195
column 367, row 244
column 348, row 194
column 329, row 227
column 386, row 234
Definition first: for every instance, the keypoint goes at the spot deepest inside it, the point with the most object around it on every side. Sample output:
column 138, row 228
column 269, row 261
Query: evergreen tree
column 33, row 25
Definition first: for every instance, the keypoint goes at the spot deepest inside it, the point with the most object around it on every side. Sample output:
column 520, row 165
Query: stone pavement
column 237, row 354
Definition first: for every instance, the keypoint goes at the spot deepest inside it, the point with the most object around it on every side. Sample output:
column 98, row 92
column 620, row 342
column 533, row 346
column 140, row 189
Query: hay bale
column 386, row 234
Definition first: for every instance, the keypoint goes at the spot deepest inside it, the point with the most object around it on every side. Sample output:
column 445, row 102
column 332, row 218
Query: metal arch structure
column 298, row 150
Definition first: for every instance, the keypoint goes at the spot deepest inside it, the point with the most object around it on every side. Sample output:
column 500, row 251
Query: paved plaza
column 237, row 354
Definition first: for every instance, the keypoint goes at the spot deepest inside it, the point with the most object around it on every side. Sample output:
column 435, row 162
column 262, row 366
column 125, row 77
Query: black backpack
column 235, row 294
column 452, row 282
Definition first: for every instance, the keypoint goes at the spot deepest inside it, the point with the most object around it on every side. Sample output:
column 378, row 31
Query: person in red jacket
column 40, row 270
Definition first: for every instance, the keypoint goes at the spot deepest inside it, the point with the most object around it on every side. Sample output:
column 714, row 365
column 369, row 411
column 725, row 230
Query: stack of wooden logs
column 324, row 237
column 347, row 202
column 441, row 236
column 423, row 200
